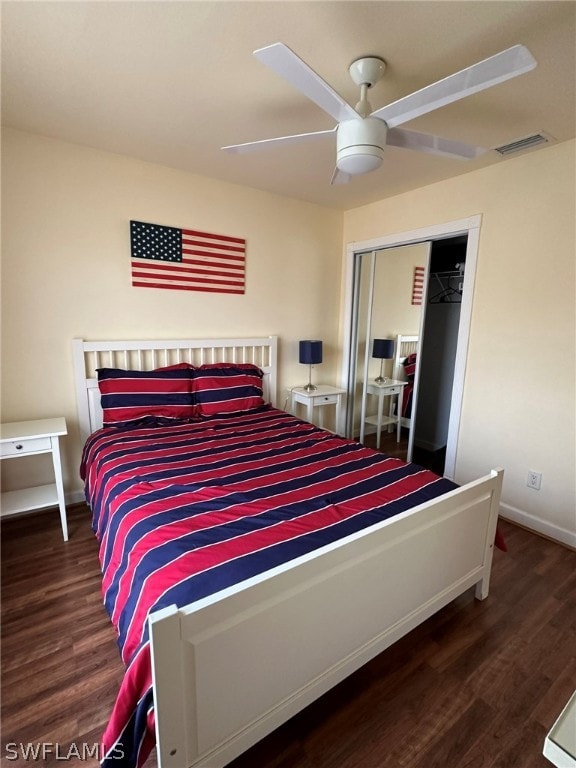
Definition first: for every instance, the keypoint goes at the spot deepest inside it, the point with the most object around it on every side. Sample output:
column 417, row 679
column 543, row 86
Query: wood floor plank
column 476, row 686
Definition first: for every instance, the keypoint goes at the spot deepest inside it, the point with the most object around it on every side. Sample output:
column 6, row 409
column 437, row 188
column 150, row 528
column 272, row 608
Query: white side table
column 28, row 438
column 560, row 743
column 323, row 395
column 388, row 388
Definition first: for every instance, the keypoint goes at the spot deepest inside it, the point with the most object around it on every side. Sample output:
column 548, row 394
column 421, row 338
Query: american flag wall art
column 186, row 260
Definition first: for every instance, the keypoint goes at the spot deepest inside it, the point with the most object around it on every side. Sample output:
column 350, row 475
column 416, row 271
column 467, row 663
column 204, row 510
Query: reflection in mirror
column 383, row 308
column 361, row 293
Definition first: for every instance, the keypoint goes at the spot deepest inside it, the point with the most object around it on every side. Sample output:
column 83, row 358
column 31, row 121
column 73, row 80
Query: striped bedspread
column 185, row 510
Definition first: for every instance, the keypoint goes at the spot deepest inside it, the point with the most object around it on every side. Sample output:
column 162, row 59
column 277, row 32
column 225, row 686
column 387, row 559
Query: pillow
column 130, row 395
column 225, row 388
column 410, row 366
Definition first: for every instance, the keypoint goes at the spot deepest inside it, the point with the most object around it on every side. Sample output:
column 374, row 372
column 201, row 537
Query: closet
column 376, row 288
column 438, row 350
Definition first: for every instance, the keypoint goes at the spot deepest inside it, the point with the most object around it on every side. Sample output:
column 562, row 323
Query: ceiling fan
column 361, row 134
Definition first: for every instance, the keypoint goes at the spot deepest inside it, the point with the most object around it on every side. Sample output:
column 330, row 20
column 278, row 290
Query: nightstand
column 560, row 743
column 389, row 388
column 323, row 395
column 29, row 438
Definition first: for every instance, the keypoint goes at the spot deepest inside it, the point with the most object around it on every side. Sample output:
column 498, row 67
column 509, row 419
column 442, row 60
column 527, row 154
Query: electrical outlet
column 534, row 480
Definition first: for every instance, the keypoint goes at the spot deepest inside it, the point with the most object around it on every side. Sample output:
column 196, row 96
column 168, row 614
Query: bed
column 405, row 355
column 214, row 674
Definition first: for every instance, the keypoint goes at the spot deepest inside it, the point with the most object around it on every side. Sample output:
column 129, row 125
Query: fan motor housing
column 360, row 145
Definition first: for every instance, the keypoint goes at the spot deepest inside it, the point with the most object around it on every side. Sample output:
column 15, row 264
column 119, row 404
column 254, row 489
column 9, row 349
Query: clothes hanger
column 443, row 297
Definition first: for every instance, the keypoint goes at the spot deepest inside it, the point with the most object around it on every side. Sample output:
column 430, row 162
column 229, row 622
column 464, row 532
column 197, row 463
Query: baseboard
column 426, row 445
column 74, row 497
column 526, row 520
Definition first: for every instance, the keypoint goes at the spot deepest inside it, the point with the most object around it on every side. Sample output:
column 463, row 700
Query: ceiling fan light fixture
column 362, row 134
column 360, row 145
column 360, row 160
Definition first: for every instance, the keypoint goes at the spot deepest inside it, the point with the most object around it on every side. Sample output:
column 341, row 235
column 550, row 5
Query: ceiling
column 173, row 82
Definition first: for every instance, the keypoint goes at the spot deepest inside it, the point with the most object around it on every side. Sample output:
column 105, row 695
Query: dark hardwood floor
column 477, row 685
column 389, row 444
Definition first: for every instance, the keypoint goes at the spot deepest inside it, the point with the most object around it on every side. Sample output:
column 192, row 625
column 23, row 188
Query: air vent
column 528, row 142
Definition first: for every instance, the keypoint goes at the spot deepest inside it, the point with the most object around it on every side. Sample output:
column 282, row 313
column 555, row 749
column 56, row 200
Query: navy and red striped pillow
column 410, row 366
column 131, row 395
column 225, row 388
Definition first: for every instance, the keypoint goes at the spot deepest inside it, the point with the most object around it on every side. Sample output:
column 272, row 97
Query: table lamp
column 384, row 350
column 310, row 354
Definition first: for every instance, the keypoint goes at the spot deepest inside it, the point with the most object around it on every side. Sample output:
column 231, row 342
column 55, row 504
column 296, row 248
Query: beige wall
column 393, row 311
column 66, row 272
column 519, row 392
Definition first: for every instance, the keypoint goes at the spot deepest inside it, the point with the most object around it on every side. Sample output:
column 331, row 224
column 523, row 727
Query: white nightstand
column 323, row 395
column 389, row 388
column 28, row 438
column 560, row 743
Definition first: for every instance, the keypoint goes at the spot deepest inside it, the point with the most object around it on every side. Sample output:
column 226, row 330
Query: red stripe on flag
column 227, row 257
column 141, row 268
column 212, row 236
column 188, row 279
column 203, row 262
column 136, row 284
column 215, row 246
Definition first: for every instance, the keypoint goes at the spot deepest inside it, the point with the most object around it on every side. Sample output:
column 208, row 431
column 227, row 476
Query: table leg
column 59, row 486
column 379, row 425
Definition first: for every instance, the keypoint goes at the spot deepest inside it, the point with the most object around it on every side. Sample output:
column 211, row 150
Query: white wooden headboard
column 405, row 345
column 147, row 355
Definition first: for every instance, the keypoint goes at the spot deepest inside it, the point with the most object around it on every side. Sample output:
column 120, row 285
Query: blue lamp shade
column 310, row 352
column 383, row 349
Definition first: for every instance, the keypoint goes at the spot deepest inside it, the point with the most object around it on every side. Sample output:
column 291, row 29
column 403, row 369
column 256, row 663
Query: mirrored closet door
column 388, row 289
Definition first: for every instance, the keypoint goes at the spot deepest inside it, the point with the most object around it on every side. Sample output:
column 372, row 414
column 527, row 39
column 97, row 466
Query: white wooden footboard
column 232, row 667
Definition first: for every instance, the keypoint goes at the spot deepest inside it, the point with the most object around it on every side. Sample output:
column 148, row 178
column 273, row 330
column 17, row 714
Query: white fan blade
column 340, row 177
column 250, row 146
column 496, row 69
column 435, row 145
column 288, row 65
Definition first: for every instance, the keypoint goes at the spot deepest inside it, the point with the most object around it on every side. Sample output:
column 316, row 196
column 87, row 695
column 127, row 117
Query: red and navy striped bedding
column 407, row 396
column 184, row 510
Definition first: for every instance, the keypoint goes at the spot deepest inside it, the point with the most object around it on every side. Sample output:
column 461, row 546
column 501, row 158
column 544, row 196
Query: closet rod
column 450, row 273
